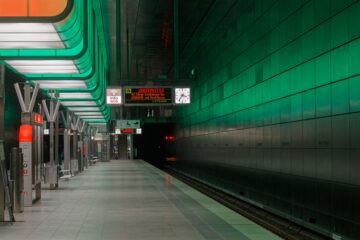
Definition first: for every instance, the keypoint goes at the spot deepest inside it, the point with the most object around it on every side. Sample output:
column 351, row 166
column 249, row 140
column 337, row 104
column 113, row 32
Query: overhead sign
column 38, row 118
column 127, row 130
column 98, row 137
column 146, row 95
column 113, row 96
column 131, row 131
column 122, row 124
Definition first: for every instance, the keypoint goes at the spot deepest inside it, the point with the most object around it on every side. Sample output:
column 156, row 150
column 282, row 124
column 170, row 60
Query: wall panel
column 277, row 102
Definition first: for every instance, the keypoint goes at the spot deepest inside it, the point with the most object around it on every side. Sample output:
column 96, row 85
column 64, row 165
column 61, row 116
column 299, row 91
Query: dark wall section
column 151, row 144
column 12, row 112
column 276, row 106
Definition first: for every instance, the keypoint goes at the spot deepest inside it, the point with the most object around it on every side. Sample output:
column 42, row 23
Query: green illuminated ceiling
column 69, row 56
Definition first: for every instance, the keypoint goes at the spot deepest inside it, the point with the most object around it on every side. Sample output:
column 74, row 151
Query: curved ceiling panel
column 33, row 8
column 68, row 56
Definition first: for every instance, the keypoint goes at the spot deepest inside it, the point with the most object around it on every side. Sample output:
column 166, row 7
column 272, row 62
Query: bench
column 94, row 160
column 66, row 174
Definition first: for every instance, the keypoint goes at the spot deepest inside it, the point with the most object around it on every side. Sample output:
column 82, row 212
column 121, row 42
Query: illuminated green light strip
column 89, row 87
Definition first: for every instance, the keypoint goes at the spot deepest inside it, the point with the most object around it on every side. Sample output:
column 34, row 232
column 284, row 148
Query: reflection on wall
column 276, row 108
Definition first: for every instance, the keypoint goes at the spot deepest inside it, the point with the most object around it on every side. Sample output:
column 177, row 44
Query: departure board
column 145, row 95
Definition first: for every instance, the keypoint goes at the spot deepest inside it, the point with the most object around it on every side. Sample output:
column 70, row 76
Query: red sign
column 25, row 172
column 145, row 95
column 169, row 138
column 25, row 133
column 38, row 118
column 128, row 130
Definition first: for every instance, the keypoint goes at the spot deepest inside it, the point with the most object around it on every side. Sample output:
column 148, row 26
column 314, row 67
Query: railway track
column 278, row 225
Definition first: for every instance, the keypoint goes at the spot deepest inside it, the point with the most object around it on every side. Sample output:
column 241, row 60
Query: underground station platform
column 180, row 119
column 129, row 199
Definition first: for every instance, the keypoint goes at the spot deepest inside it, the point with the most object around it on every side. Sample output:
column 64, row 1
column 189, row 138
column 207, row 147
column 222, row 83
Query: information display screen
column 136, row 95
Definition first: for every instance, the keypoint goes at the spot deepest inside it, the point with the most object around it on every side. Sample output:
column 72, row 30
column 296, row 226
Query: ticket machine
column 31, row 142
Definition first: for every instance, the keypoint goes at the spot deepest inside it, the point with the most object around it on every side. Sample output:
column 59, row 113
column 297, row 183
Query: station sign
column 98, row 137
column 32, row 118
column 137, row 131
column 113, row 96
column 38, row 118
column 128, row 127
column 148, row 95
column 121, row 124
column 128, row 131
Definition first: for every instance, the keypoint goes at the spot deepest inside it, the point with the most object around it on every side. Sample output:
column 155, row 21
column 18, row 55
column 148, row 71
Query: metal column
column 56, row 157
column 51, row 113
column 66, row 118
column 94, row 147
column 90, row 154
column 86, row 144
column 81, row 128
column 74, row 127
column 130, row 141
column 27, row 103
column 2, row 111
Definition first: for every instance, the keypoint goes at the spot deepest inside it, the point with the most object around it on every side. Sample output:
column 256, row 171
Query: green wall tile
column 323, row 101
column 354, row 90
column 340, row 63
column 354, row 57
column 308, row 103
column 322, row 70
column 340, row 97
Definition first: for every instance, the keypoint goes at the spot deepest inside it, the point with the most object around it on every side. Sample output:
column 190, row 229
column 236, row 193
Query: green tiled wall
column 277, row 95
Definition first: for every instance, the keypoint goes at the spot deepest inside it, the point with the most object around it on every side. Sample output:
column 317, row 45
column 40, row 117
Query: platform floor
column 129, row 200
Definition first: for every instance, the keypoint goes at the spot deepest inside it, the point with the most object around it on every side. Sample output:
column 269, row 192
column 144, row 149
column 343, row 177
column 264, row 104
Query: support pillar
column 66, row 118
column 86, row 145
column 51, row 113
column 90, row 154
column 81, row 128
column 56, row 157
column 2, row 111
column 74, row 127
column 27, row 102
column 130, row 145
